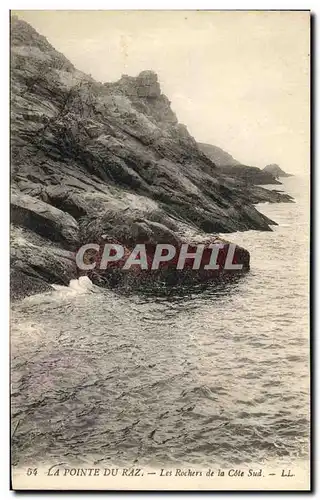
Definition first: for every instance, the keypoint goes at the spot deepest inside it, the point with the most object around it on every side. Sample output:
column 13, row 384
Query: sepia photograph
column 160, row 250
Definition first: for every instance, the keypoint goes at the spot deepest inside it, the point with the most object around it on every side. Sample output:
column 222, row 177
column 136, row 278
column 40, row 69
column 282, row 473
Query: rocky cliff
column 91, row 159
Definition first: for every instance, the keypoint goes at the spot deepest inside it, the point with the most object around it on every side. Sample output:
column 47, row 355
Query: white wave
column 60, row 293
column 77, row 286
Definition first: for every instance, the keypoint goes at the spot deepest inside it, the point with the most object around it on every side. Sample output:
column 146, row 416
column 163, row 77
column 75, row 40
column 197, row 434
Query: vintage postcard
column 160, row 168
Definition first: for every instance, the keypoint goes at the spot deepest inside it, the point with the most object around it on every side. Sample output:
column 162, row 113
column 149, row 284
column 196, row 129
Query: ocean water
column 217, row 375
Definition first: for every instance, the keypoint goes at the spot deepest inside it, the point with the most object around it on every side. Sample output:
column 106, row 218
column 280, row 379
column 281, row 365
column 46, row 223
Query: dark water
column 214, row 376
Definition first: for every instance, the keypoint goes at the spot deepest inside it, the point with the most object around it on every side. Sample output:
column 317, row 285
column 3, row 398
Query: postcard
column 160, row 237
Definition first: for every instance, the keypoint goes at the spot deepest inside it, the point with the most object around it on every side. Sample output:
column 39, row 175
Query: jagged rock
column 144, row 85
column 273, row 196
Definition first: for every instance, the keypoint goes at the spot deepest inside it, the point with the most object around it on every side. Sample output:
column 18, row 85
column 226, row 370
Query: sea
column 215, row 375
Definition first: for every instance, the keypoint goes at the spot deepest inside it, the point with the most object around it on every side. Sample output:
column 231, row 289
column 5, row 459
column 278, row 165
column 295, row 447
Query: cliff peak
column 145, row 85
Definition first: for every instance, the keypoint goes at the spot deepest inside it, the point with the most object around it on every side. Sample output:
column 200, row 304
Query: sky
column 238, row 80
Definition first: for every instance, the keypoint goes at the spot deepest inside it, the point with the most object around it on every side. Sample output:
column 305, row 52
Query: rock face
column 91, row 159
column 275, row 170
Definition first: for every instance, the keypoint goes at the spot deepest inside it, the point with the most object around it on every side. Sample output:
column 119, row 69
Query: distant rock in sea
column 275, row 170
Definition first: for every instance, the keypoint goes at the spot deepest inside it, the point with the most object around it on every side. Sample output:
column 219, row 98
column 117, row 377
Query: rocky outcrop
column 91, row 159
column 250, row 175
column 233, row 168
column 276, row 171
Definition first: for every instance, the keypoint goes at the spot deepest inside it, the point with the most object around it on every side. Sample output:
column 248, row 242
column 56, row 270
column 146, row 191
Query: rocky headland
column 92, row 161
column 233, row 168
column 276, row 171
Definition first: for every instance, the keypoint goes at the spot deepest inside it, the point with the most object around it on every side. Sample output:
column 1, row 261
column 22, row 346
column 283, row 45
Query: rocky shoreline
column 90, row 160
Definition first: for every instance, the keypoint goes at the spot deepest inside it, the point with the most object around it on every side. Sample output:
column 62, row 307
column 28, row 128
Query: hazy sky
column 239, row 80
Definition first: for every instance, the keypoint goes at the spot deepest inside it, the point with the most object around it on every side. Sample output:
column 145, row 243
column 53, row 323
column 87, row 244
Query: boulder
column 36, row 263
column 44, row 219
column 147, row 231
